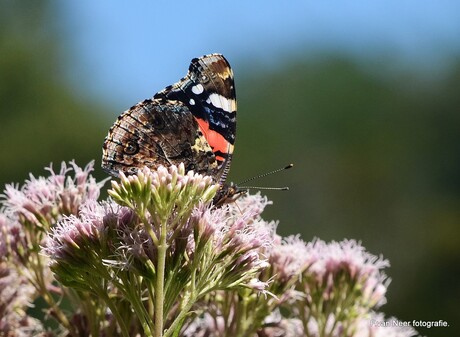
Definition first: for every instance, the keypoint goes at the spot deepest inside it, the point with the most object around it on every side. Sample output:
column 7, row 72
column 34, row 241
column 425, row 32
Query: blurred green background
column 375, row 142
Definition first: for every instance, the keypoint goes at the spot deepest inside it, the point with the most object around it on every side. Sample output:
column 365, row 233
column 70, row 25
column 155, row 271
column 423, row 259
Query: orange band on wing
column 215, row 139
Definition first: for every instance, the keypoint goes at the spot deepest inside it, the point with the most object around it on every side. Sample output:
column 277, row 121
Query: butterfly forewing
column 208, row 90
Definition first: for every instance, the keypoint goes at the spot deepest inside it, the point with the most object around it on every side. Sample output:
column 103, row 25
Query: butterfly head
column 227, row 194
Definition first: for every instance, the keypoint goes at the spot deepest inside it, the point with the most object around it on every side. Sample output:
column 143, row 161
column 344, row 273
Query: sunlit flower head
column 163, row 190
column 348, row 261
column 250, row 204
column 290, row 257
column 239, row 240
column 347, row 281
column 42, row 201
column 78, row 245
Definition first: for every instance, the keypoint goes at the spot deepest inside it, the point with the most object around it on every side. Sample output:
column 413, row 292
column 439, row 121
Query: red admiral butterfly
column 192, row 121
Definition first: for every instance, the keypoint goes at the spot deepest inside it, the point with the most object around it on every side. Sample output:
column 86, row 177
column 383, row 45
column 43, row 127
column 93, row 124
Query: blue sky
column 128, row 51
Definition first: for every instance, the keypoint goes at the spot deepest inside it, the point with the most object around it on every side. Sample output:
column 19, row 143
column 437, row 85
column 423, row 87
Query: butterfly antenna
column 264, row 175
column 265, row 188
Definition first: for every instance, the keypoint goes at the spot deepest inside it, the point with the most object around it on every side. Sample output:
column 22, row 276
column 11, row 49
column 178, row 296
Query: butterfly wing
column 192, row 121
column 208, row 90
column 157, row 132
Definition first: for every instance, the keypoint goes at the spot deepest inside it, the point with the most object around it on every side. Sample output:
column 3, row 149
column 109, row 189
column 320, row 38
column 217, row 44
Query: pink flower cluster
column 41, row 201
column 223, row 271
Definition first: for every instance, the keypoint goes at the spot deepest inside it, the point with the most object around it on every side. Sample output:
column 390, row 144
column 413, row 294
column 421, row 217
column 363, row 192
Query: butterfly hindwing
column 157, row 132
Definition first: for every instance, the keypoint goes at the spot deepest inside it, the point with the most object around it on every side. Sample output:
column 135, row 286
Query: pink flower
column 348, row 260
column 41, row 201
column 75, row 233
column 289, row 258
column 80, row 245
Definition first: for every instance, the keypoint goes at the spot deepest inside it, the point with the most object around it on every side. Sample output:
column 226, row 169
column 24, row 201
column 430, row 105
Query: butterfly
column 192, row 121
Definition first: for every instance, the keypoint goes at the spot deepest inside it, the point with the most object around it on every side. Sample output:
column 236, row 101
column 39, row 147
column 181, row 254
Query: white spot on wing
column 220, row 101
column 192, row 101
column 197, row 89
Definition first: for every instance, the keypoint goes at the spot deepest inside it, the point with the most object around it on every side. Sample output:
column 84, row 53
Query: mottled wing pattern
column 156, row 132
column 208, row 90
column 192, row 121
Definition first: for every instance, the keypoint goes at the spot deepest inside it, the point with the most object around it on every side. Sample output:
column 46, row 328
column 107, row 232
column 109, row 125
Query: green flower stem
column 305, row 318
column 150, row 301
column 160, row 281
column 344, row 305
column 180, row 221
column 176, row 324
column 90, row 308
column 255, row 311
column 242, row 317
column 57, row 313
column 321, row 317
column 121, row 322
column 34, row 263
column 132, row 293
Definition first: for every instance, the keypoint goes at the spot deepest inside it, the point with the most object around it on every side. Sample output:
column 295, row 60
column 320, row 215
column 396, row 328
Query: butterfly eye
column 190, row 167
column 131, row 148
